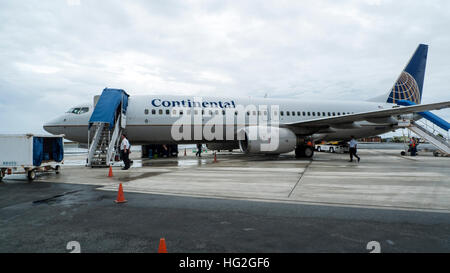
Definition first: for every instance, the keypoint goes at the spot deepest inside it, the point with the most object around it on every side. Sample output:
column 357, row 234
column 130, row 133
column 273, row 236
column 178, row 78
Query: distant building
column 376, row 139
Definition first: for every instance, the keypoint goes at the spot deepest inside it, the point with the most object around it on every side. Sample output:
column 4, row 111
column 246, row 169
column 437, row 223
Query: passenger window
column 146, row 111
column 323, row 114
column 160, row 111
column 293, row 113
column 188, row 112
column 329, row 114
column 153, row 111
column 217, row 112
column 304, row 114
column 334, row 114
column 248, row 113
column 339, row 113
column 265, row 113
column 309, row 114
column 195, row 112
column 288, row 113
column 314, row 114
column 167, row 112
column 275, row 113
column 223, row 112
column 318, row 114
column 298, row 114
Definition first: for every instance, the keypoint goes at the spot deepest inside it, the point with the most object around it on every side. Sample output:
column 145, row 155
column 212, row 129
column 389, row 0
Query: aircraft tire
column 308, row 152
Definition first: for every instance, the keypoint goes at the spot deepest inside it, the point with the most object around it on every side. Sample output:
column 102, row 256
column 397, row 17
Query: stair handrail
column 113, row 142
column 437, row 133
column 94, row 143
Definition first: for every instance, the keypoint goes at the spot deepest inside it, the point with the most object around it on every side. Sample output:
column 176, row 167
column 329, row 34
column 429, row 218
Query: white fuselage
column 150, row 119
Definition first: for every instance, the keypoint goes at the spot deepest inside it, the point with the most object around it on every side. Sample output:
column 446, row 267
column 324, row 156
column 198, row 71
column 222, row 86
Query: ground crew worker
column 125, row 152
column 410, row 145
column 413, row 147
column 353, row 143
column 199, row 150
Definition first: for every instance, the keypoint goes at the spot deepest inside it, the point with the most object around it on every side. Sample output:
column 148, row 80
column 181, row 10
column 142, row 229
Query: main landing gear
column 304, row 150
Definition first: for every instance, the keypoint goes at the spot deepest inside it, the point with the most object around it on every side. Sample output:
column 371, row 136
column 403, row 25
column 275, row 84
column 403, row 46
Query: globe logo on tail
column 405, row 88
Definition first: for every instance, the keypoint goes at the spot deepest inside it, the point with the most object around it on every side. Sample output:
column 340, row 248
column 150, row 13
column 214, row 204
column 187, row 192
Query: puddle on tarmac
column 138, row 163
column 143, row 175
column 174, row 163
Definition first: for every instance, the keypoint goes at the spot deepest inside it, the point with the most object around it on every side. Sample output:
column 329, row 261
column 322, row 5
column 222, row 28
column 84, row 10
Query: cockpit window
column 83, row 110
column 78, row 110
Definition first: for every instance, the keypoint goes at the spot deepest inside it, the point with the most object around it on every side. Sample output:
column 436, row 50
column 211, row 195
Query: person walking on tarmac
column 199, row 150
column 125, row 152
column 353, row 143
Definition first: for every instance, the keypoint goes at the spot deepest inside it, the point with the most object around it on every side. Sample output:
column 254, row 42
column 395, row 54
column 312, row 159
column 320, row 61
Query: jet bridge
column 106, row 124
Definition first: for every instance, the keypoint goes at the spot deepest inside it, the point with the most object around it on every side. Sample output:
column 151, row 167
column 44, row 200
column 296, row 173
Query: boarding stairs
column 108, row 122
column 429, row 133
column 432, row 128
column 105, row 145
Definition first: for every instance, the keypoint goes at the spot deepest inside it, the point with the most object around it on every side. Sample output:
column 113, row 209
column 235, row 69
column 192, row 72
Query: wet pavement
column 239, row 204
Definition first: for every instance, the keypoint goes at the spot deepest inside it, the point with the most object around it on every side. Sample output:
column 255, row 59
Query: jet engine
column 266, row 140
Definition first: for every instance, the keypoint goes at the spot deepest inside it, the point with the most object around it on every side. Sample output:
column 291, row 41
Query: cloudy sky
column 56, row 54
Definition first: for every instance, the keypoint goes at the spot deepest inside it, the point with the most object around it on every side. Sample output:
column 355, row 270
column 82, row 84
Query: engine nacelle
column 266, row 140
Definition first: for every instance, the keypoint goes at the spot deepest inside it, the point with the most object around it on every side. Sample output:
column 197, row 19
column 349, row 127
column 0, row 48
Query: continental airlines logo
column 405, row 88
column 195, row 103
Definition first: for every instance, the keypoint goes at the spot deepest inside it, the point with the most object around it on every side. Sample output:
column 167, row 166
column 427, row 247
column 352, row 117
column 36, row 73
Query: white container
column 16, row 155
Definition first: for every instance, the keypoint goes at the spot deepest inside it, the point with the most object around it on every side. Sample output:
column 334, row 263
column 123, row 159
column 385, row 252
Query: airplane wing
column 378, row 114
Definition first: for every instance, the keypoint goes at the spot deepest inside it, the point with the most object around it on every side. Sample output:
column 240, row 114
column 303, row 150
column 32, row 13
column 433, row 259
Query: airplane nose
column 48, row 128
column 53, row 126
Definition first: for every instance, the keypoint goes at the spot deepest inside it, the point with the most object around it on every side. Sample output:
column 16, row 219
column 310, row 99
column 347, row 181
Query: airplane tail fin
column 410, row 82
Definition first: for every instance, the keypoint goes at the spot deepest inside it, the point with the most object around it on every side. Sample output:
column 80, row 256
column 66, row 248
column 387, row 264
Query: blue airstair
column 432, row 134
column 107, row 123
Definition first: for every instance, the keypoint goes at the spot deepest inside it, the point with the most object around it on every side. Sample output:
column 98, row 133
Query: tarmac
column 239, row 204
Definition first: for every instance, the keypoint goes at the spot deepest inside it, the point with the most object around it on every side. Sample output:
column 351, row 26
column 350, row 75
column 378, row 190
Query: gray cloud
column 55, row 54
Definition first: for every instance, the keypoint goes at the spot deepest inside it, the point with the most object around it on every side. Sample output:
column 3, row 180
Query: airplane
column 150, row 119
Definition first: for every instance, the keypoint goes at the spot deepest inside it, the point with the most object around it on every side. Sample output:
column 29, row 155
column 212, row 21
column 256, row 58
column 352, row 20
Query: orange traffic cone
column 120, row 196
column 110, row 174
column 162, row 246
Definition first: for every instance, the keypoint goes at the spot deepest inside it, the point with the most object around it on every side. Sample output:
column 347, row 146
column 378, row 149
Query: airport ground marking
column 301, row 176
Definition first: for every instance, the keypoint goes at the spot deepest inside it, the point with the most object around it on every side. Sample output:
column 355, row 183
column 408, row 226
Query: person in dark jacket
column 199, row 150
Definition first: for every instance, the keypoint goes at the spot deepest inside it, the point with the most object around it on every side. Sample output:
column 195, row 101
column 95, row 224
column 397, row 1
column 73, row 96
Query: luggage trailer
column 29, row 154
